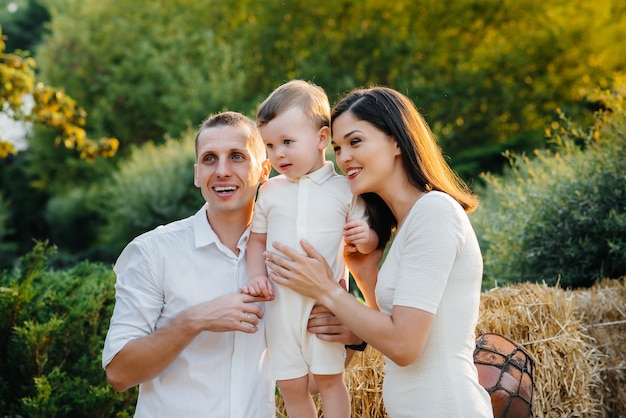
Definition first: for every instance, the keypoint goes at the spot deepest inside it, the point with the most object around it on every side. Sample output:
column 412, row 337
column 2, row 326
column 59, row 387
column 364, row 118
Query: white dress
column 435, row 265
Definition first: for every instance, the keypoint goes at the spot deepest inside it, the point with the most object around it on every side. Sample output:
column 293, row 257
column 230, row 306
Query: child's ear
column 324, row 136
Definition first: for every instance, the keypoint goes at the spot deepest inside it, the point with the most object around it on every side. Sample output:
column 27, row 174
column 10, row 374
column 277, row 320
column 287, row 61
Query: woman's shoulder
column 436, row 205
column 437, row 200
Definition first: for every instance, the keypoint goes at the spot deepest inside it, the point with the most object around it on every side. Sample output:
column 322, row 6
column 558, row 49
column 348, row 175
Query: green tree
column 52, row 107
column 23, row 23
column 487, row 74
column 142, row 69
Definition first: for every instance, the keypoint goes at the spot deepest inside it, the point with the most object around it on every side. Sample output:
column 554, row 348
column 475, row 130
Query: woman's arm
column 400, row 336
column 364, row 269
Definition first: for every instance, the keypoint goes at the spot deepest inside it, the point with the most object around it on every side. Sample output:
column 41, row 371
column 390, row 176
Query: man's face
column 227, row 169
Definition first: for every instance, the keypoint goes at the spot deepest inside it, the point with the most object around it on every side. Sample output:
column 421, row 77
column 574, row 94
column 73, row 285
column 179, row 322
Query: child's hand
column 356, row 233
column 259, row 286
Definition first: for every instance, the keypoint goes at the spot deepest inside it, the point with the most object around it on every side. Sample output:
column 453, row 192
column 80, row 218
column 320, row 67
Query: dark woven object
column 506, row 370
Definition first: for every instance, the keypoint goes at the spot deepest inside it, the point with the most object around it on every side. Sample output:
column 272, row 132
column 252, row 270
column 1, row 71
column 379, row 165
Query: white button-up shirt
column 163, row 272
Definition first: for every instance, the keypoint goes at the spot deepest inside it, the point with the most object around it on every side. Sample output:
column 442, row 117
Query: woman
column 428, row 288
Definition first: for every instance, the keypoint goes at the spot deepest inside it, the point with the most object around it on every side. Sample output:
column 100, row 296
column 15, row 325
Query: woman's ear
column 324, row 137
column 398, row 151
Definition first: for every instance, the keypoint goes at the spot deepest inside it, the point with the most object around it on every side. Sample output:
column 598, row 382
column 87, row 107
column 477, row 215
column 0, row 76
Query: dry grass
column 603, row 311
column 576, row 338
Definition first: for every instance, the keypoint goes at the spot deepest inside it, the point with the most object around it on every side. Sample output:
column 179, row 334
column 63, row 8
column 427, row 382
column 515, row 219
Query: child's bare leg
column 298, row 401
column 334, row 394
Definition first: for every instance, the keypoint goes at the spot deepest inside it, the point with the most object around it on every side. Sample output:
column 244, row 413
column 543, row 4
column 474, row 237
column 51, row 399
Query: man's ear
column 195, row 175
column 324, row 136
column 266, row 166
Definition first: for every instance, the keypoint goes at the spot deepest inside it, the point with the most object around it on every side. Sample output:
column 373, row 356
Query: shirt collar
column 204, row 234
column 320, row 175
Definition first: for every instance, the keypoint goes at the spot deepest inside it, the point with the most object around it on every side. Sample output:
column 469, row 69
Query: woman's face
column 368, row 157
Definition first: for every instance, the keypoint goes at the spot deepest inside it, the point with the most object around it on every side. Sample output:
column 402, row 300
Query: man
column 180, row 328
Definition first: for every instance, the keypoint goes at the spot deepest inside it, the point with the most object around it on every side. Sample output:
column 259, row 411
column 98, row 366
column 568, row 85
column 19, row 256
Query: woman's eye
column 354, row 141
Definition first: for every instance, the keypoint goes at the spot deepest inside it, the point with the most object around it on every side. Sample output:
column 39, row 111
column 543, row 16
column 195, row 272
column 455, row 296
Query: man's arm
column 145, row 358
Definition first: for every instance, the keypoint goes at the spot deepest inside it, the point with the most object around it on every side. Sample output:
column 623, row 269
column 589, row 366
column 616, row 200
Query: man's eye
column 237, row 157
column 209, row 158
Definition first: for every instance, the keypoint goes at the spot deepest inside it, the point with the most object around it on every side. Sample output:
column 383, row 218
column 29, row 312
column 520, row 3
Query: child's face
column 294, row 145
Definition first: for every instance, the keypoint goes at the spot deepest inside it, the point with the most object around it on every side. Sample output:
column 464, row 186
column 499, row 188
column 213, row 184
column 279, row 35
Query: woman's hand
column 308, row 274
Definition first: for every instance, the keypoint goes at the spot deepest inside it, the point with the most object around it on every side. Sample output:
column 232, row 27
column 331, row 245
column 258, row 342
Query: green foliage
column 7, row 248
column 561, row 216
column 142, row 69
column 487, row 74
column 152, row 187
column 51, row 334
column 24, row 26
column 51, row 107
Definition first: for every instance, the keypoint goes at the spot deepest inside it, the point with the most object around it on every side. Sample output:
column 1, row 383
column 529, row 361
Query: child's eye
column 269, row 146
column 287, row 141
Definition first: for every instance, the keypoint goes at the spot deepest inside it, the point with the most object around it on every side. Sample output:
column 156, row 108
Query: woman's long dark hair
column 396, row 115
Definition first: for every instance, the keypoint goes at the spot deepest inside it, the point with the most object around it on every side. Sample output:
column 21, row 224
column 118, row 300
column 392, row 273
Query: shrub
column 561, row 216
column 6, row 248
column 152, row 187
column 52, row 327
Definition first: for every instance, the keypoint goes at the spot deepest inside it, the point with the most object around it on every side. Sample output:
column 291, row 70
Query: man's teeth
column 225, row 189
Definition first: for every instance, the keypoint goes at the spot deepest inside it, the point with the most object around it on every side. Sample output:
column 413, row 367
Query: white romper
column 314, row 207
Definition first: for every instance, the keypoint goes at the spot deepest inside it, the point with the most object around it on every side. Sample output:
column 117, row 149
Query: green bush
column 152, row 187
column 52, row 328
column 6, row 248
column 560, row 217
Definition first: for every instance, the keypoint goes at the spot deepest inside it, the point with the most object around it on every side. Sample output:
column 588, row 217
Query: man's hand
column 237, row 312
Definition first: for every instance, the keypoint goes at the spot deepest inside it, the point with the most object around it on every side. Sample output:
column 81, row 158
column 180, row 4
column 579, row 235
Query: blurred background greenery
column 491, row 77
column 526, row 98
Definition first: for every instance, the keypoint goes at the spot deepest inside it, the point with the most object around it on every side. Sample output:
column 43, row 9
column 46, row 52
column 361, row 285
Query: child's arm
column 259, row 284
column 360, row 237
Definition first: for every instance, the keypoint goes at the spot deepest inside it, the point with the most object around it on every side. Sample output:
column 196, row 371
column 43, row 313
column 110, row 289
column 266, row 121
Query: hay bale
column 602, row 309
column 576, row 338
column 543, row 320
column 364, row 377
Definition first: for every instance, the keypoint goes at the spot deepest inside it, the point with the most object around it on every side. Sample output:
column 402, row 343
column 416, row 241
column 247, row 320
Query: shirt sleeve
column 259, row 217
column 432, row 240
column 358, row 209
column 139, row 299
